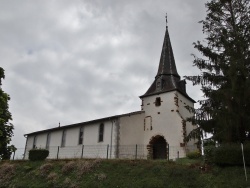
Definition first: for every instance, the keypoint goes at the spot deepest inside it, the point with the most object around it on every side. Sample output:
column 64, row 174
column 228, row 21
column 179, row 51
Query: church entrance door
column 158, row 147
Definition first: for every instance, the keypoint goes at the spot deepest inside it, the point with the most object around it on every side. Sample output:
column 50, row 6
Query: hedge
column 231, row 154
column 194, row 154
column 38, row 154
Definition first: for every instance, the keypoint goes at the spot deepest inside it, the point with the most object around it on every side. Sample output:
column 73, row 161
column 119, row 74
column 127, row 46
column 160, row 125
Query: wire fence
column 110, row 152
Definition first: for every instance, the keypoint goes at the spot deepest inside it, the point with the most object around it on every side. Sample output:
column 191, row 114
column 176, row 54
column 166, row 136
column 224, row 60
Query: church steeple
column 167, row 78
column 167, row 63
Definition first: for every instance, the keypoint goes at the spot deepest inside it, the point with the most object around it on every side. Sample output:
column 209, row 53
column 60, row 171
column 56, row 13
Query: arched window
column 63, row 138
column 101, row 132
column 48, row 140
column 80, row 136
column 148, row 123
column 34, row 142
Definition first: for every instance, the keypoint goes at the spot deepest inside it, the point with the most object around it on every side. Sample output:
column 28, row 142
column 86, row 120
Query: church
column 156, row 131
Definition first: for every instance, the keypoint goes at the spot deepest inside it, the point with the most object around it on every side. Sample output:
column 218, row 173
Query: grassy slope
column 118, row 173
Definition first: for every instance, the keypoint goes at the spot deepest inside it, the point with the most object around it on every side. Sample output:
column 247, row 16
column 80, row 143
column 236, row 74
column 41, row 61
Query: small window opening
column 142, row 104
column 158, row 101
column 63, row 138
column 101, row 131
column 34, row 142
column 80, row 136
column 48, row 140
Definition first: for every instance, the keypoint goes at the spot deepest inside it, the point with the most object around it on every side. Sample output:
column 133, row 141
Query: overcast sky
column 74, row 61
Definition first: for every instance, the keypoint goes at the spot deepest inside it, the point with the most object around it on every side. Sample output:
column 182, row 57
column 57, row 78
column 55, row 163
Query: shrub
column 209, row 153
column 38, row 154
column 231, row 154
column 194, row 154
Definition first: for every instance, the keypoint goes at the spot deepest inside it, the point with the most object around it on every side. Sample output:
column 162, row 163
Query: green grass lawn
column 119, row 173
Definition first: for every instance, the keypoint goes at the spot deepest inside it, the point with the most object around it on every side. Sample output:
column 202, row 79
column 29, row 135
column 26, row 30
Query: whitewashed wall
column 166, row 120
column 131, row 136
column 131, row 129
column 92, row 147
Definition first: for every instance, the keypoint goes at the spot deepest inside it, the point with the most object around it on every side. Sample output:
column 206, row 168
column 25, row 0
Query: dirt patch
column 45, row 169
column 7, row 171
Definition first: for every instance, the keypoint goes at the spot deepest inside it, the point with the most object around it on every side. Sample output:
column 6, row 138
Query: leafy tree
column 6, row 128
column 225, row 72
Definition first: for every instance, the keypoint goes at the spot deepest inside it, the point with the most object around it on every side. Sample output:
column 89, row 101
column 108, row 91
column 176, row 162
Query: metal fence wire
column 110, row 152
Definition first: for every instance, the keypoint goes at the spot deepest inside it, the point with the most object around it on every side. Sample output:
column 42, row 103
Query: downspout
column 25, row 136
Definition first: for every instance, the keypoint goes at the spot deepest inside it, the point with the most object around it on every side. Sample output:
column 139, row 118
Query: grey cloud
column 73, row 61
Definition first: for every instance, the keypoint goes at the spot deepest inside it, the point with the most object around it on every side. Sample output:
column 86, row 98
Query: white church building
column 156, row 131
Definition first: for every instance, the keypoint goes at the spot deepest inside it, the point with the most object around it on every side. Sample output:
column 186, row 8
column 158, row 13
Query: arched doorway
column 158, row 148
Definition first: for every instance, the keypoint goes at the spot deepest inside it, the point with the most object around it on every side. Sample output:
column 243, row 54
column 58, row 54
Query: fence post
column 136, row 151
column 107, row 151
column 82, row 151
column 14, row 156
column 57, row 152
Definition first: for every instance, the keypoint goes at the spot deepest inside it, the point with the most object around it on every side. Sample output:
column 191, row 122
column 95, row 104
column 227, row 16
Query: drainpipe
column 25, row 136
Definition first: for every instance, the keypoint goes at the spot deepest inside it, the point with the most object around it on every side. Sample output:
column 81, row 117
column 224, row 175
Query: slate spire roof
column 167, row 78
column 167, row 63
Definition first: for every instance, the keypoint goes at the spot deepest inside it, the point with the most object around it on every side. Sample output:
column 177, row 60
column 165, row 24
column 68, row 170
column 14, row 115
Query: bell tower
column 164, row 106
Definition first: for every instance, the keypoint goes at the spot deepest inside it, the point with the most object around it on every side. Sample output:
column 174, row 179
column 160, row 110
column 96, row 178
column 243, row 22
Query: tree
column 6, row 128
column 225, row 72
